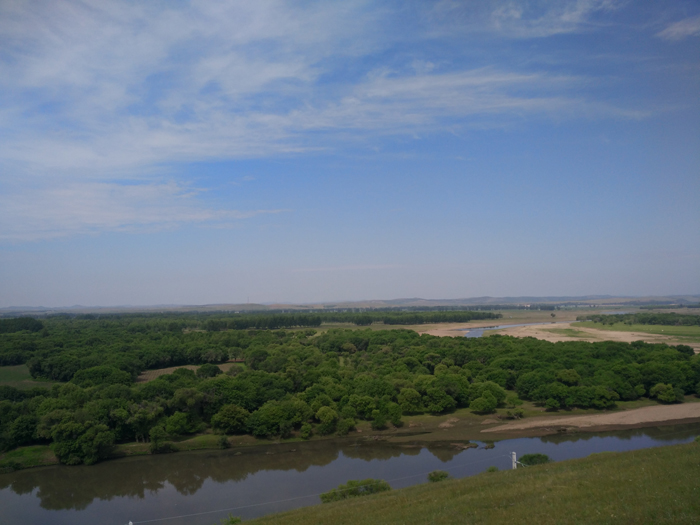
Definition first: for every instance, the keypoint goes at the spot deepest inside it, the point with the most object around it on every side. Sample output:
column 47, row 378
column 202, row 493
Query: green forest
column 298, row 382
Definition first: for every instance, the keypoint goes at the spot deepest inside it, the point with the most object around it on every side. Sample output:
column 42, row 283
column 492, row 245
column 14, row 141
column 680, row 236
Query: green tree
column 410, row 401
column 437, row 401
column 231, row 419
column 328, row 419
column 158, row 435
column 484, row 404
column 177, row 424
column 208, row 370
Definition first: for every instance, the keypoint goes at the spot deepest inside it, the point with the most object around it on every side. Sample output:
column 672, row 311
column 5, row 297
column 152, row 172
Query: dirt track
column 638, row 416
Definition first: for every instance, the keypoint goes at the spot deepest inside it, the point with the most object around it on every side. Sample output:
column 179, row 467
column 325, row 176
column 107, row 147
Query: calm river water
column 199, row 488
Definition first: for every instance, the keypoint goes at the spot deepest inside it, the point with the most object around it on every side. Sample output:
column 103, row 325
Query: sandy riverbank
column 638, row 417
column 543, row 331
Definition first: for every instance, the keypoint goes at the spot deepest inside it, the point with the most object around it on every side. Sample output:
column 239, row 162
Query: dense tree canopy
column 293, row 379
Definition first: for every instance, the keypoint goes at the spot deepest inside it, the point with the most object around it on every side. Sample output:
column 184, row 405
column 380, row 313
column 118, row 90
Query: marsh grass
column 658, row 485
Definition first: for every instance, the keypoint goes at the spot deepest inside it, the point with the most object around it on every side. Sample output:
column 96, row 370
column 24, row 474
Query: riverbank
column 453, row 431
column 645, row 486
column 640, row 417
column 575, row 331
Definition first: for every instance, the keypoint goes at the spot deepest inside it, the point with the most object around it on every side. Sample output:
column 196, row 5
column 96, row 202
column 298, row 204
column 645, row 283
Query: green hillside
column 660, row 485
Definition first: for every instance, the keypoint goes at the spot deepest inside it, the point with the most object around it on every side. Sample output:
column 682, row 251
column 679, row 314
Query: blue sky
column 220, row 152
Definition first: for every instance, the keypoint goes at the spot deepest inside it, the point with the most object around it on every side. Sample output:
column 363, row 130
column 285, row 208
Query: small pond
column 199, row 488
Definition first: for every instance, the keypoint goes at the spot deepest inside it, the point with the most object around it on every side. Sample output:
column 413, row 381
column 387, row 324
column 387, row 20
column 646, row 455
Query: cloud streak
column 88, row 208
column 682, row 29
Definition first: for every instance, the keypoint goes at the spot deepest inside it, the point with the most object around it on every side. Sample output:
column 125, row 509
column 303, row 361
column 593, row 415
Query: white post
column 515, row 461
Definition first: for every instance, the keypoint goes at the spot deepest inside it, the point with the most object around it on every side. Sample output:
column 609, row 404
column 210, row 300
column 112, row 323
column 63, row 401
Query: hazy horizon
column 465, row 302
column 276, row 152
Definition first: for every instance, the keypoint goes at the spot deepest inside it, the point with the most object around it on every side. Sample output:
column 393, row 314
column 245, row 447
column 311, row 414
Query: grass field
column 18, row 376
column 569, row 332
column 658, row 485
column 689, row 333
column 150, row 375
column 27, row 457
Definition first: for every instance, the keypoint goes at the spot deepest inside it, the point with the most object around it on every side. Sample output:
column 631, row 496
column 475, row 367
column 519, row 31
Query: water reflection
column 153, row 487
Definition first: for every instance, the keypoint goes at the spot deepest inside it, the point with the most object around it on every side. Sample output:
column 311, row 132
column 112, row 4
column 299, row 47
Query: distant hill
column 414, row 302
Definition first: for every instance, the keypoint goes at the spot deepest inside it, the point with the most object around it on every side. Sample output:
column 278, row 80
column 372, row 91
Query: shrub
column 492, row 469
column 484, row 404
column 223, row 442
column 208, row 370
column 306, row 431
column 517, row 413
column 345, row 426
column 438, row 475
column 534, row 459
column 230, row 520
column 378, row 420
column 158, row 443
column 666, row 393
column 354, row 488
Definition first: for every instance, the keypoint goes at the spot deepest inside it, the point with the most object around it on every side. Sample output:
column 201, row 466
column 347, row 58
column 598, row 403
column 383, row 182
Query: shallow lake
column 200, row 488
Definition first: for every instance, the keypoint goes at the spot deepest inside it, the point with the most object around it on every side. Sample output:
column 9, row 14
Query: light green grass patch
column 26, row 457
column 14, row 373
column 569, row 332
column 18, row 376
column 686, row 333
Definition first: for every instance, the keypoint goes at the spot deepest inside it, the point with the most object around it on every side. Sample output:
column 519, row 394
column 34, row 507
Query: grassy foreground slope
column 660, row 485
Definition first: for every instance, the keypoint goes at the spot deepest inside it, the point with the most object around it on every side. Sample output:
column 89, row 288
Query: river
column 200, row 488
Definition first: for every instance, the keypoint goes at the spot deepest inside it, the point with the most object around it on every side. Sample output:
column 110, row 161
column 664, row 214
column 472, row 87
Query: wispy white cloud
column 82, row 208
column 519, row 19
column 682, row 29
column 104, row 94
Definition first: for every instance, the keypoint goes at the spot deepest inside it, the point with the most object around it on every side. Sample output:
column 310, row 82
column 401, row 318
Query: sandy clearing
column 541, row 331
column 638, row 416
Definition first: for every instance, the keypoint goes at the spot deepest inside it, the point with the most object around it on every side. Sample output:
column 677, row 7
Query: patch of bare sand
column 638, row 416
column 591, row 335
